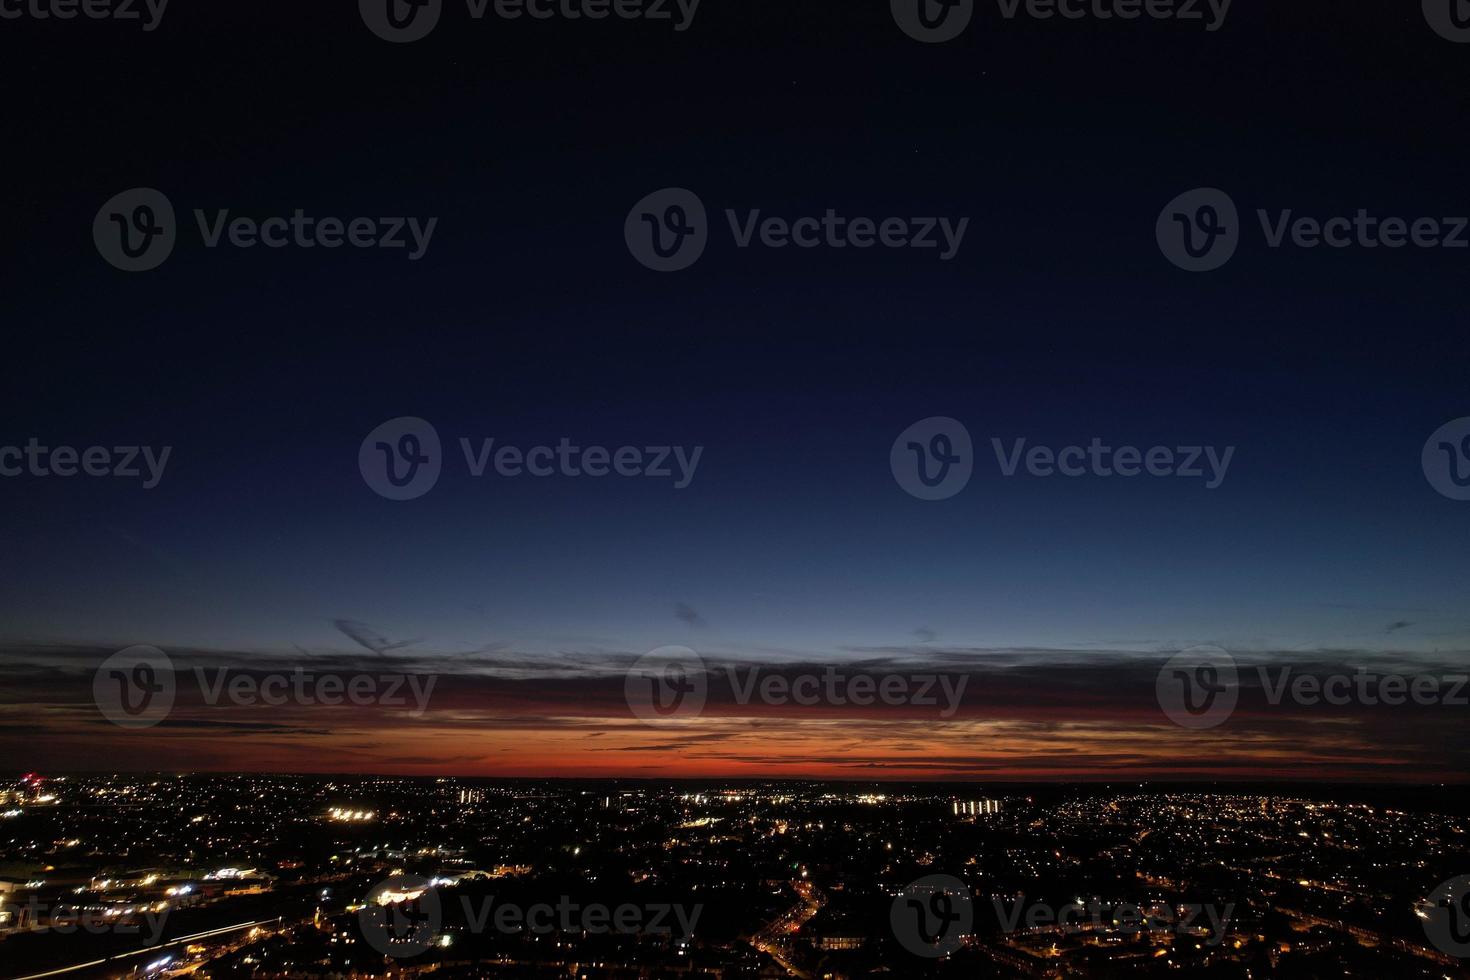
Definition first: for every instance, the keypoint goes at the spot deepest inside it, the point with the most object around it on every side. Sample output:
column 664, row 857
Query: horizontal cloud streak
column 1026, row 714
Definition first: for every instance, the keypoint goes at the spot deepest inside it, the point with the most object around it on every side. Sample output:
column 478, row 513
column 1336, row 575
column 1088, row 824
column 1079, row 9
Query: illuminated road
column 774, row 936
column 196, row 937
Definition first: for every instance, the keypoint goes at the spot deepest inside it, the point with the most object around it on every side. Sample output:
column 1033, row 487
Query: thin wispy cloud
column 688, row 615
column 369, row 638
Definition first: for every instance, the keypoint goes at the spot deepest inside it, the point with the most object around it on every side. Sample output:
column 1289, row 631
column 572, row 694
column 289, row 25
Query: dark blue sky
column 528, row 321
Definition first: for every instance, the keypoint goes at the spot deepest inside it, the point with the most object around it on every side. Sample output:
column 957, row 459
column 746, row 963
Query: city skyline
column 162, row 876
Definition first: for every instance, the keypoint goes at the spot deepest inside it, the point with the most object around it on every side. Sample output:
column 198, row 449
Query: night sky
column 527, row 320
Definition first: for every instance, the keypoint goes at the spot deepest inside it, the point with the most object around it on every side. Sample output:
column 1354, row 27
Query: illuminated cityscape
column 253, row 876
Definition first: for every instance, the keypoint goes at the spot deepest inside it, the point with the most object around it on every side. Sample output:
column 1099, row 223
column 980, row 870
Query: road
column 149, row 950
column 774, row 937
